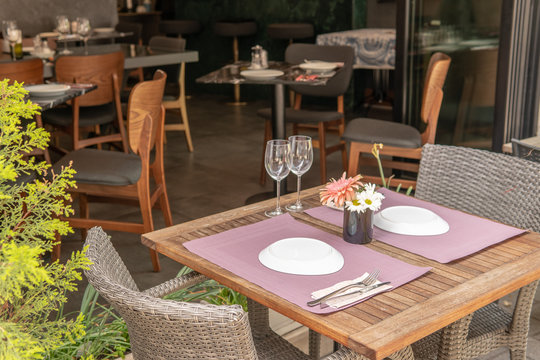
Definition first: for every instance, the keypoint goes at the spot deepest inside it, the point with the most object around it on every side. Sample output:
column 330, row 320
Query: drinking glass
column 300, row 160
column 84, row 29
column 63, row 26
column 275, row 161
column 10, row 32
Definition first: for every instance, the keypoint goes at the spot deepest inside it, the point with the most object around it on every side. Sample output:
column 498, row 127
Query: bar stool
column 290, row 31
column 179, row 28
column 235, row 29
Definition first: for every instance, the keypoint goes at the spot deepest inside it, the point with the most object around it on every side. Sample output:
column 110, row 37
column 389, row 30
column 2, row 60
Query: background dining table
column 135, row 56
column 389, row 321
column 231, row 74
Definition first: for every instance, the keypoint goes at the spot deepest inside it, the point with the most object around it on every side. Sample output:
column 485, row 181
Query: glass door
column 468, row 32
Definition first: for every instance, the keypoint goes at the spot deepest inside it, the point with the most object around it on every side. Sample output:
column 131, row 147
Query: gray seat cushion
column 303, row 116
column 102, row 167
column 88, row 116
column 380, row 131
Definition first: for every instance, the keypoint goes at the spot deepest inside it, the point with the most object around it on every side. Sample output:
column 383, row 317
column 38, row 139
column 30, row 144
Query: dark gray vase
column 358, row 227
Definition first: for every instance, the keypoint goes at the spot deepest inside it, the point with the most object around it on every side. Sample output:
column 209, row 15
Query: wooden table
column 389, row 321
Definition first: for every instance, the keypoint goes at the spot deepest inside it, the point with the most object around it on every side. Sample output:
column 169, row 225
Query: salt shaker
column 256, row 57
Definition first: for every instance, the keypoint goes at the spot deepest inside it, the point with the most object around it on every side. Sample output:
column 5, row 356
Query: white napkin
column 336, row 63
column 342, row 301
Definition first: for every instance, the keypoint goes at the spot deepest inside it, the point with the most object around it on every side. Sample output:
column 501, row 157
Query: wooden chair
column 175, row 102
column 318, row 120
column 113, row 176
column 496, row 186
column 400, row 140
column 28, row 72
column 95, row 109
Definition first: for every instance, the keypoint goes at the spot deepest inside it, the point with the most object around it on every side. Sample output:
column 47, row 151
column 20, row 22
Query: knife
column 361, row 291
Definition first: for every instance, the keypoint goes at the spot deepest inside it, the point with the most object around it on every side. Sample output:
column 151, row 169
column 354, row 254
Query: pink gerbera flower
column 338, row 191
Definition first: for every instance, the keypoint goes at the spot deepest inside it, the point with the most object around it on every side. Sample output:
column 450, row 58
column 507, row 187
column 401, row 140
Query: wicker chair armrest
column 175, row 284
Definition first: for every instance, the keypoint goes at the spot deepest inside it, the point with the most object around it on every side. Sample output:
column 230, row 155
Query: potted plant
column 31, row 289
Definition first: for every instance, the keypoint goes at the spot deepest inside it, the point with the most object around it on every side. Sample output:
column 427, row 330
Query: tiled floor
column 221, row 174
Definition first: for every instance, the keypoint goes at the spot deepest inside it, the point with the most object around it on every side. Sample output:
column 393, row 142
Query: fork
column 370, row 280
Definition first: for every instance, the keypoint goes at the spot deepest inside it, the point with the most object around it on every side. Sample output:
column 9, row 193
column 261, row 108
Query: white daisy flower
column 369, row 198
column 355, row 205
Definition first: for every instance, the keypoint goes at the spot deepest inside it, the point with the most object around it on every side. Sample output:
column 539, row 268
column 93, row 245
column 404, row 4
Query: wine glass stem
column 85, row 40
column 12, row 46
column 298, row 190
column 278, row 190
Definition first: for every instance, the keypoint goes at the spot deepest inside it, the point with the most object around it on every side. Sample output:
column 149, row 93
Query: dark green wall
column 216, row 51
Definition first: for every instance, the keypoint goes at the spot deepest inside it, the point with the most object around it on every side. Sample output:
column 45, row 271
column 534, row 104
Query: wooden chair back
column 432, row 94
column 145, row 99
column 27, row 71
column 105, row 70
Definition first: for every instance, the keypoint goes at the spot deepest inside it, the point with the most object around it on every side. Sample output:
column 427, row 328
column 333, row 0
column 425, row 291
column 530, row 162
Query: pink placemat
column 237, row 250
column 467, row 235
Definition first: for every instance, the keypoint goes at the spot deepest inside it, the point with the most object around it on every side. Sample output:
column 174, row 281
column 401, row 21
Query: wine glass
column 275, row 161
column 300, row 160
column 63, row 26
column 84, row 29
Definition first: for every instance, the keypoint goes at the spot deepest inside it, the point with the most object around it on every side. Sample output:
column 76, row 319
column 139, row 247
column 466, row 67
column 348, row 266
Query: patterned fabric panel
column 374, row 48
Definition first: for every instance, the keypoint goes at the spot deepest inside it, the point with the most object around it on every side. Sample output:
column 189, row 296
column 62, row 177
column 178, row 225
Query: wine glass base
column 275, row 212
column 294, row 207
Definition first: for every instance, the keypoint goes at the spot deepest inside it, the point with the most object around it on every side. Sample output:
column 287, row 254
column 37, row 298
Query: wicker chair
column 526, row 151
column 165, row 329
column 499, row 187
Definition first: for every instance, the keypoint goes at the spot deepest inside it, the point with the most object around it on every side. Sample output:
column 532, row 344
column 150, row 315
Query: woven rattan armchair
column 526, row 151
column 496, row 186
column 166, row 329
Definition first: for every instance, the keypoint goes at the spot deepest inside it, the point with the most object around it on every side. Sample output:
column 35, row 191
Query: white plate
column 43, row 55
column 410, row 220
column 104, row 30
column 332, row 206
column 479, row 42
column 261, row 74
column 318, row 66
column 302, row 256
column 47, row 89
column 48, row 34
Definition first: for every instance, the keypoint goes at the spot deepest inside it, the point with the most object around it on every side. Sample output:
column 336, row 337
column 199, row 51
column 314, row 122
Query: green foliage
column 386, row 182
column 208, row 291
column 31, row 291
column 106, row 335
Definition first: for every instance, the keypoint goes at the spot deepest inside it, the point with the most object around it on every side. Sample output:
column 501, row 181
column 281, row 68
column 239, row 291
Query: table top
column 389, row 321
column 48, row 102
column 230, row 74
column 135, row 56
column 373, row 48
